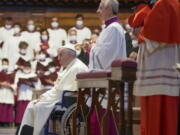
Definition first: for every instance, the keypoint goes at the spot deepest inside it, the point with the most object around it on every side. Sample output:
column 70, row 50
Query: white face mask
column 72, row 38
column 30, row 27
column 23, row 51
column 5, row 67
column 26, row 71
column 134, row 43
column 78, row 52
column 52, row 69
column 47, row 73
column 8, row 26
column 79, row 23
column 54, row 24
column 44, row 37
column 17, row 30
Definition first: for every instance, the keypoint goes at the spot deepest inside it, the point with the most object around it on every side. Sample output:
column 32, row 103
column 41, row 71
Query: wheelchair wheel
column 66, row 121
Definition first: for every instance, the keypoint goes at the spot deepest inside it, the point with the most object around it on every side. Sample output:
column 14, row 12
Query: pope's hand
column 38, row 100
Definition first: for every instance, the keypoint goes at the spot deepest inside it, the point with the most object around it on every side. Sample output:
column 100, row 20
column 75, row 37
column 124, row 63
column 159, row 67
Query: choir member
column 72, row 37
column 25, row 83
column 49, row 76
column 11, row 45
column 83, row 32
column 6, row 93
column 31, row 36
column 57, row 34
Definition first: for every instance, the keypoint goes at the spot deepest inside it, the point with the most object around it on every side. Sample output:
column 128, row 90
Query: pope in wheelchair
column 38, row 111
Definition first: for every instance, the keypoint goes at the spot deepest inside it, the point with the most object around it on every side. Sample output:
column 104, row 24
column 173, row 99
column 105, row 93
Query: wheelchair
column 63, row 113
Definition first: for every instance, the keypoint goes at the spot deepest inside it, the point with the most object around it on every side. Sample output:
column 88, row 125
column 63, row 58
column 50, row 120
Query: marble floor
column 7, row 131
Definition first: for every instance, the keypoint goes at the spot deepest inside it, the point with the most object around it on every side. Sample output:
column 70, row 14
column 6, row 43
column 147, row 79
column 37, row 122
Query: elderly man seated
column 38, row 111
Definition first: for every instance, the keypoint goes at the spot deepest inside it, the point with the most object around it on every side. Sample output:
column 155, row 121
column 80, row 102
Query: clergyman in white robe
column 110, row 45
column 37, row 114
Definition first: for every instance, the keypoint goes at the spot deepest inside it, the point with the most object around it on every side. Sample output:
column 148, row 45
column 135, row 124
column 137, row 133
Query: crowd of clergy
column 29, row 59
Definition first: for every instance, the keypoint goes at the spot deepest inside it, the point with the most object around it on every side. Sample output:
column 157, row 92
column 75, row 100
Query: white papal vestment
column 37, row 114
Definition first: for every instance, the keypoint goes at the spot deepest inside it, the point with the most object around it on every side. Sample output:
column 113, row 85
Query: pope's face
column 63, row 57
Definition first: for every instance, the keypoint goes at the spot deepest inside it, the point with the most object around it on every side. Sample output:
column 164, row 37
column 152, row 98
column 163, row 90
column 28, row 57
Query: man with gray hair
column 38, row 111
column 111, row 43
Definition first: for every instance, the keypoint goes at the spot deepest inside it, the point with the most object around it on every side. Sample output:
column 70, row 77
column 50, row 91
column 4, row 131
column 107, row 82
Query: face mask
column 44, row 37
column 52, row 69
column 17, row 30
column 79, row 23
column 72, row 38
column 134, row 43
column 23, row 51
column 47, row 73
column 4, row 67
column 26, row 71
column 78, row 52
column 8, row 26
column 54, row 24
column 31, row 27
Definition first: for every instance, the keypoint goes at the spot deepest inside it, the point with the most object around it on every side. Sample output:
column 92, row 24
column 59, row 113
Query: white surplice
column 32, row 38
column 23, row 94
column 37, row 114
column 110, row 45
column 4, row 35
column 11, row 49
column 58, row 36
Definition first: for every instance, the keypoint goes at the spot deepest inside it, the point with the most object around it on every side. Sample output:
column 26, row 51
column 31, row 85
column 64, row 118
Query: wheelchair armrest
column 68, row 93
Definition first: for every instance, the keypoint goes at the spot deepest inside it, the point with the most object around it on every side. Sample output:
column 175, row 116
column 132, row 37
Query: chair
column 96, row 83
column 125, row 70
column 93, row 84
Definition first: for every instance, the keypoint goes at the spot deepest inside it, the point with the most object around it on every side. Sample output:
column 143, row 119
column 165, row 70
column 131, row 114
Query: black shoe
column 27, row 130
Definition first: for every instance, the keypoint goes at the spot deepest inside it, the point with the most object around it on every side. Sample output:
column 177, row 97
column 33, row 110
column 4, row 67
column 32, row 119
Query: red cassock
column 162, row 24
